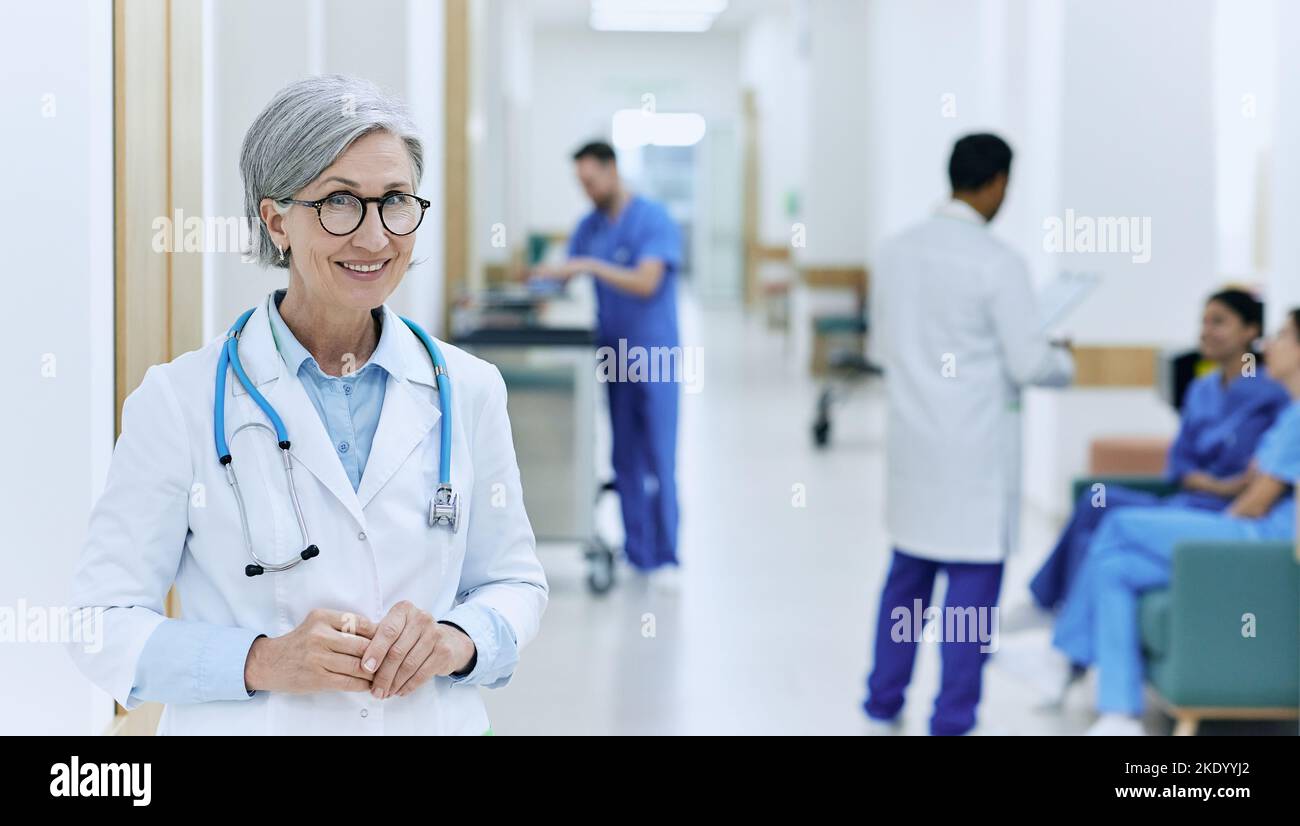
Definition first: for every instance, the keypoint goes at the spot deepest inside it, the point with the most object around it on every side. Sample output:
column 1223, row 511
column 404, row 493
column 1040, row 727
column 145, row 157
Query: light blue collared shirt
column 195, row 662
column 349, row 406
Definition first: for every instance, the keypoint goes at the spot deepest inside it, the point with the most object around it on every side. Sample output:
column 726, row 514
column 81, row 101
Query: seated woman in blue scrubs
column 1224, row 415
column 1132, row 552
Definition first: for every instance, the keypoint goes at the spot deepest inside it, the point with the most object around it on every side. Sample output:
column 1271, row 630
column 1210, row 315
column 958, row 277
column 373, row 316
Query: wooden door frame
column 158, row 163
column 456, row 154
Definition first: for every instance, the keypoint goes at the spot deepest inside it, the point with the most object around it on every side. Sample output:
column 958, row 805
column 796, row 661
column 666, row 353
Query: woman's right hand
column 321, row 654
column 1226, row 488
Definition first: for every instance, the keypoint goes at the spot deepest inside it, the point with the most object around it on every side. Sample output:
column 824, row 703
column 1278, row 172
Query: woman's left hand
column 410, row 647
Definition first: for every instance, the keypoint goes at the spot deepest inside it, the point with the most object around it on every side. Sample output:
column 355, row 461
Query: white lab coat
column 168, row 514
column 955, row 324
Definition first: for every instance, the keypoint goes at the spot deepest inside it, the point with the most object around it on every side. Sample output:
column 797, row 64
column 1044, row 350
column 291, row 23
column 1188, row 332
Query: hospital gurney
column 550, row 379
column 846, row 369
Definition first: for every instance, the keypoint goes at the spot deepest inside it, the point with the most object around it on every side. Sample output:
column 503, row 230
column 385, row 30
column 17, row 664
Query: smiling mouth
column 364, row 271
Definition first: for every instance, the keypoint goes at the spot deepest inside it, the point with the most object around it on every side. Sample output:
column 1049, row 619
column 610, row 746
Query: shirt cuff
column 194, row 662
column 221, row 666
column 495, row 650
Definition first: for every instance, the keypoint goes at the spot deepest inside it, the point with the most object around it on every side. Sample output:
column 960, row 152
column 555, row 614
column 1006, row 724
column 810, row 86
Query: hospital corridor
column 885, row 369
column 652, row 660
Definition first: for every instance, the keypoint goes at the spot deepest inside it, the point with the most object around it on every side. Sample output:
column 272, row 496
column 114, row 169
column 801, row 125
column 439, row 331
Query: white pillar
column 1284, row 279
column 835, row 201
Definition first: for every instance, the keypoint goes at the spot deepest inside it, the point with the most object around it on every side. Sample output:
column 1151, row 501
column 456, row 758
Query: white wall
column 835, row 200
column 774, row 66
column 933, row 73
column 1109, row 108
column 581, row 77
column 1138, row 132
column 1137, row 139
column 59, row 426
column 1245, row 113
column 1284, row 278
column 396, row 43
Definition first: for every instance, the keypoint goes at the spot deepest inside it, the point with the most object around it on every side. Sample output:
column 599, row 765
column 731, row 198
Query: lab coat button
column 365, row 712
column 362, row 536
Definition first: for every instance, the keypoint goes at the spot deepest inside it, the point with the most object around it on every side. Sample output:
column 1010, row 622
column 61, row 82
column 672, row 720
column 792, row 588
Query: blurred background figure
column 959, row 337
column 633, row 250
column 1225, row 412
column 1132, row 554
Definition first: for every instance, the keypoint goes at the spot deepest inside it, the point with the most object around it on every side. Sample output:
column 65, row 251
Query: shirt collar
column 386, row 355
column 962, row 211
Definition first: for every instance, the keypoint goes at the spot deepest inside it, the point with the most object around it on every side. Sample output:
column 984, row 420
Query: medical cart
column 550, row 376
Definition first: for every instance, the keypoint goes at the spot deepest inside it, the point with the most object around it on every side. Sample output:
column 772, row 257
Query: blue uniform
column 1132, row 553
column 643, row 414
column 972, row 587
column 1219, row 432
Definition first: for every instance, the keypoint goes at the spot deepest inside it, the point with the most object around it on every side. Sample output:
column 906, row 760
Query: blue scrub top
column 1279, row 456
column 1221, row 426
column 642, row 230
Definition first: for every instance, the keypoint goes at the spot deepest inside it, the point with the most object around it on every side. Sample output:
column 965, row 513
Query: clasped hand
column 341, row 651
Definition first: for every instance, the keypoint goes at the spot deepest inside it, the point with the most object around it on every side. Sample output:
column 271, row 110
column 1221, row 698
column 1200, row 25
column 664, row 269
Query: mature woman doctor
column 334, row 495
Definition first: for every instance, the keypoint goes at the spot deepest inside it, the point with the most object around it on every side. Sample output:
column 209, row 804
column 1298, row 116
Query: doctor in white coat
column 395, row 624
column 956, row 328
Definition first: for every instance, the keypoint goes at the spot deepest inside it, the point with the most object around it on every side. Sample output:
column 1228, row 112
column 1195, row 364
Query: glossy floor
column 783, row 556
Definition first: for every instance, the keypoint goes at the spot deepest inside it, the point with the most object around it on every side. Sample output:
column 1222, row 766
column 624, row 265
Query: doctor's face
column 599, row 180
column 357, row 271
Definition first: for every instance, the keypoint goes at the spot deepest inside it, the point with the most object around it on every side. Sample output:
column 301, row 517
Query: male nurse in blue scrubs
column 633, row 249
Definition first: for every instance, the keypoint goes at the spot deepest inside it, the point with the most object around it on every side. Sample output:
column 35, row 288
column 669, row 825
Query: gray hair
column 302, row 131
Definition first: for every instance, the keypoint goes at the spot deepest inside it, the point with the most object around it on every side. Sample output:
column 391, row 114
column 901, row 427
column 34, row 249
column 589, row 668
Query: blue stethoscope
column 444, row 508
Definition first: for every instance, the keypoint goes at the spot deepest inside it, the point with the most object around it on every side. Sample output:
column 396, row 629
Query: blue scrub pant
column 1131, row 553
column 970, row 585
column 1054, row 579
column 643, row 417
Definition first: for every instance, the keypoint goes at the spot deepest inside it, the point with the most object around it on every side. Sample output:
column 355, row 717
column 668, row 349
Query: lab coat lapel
column 311, row 446
column 404, row 422
column 407, row 415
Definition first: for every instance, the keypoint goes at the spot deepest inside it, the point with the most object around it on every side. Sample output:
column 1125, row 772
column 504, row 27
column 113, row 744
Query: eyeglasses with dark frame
column 342, row 213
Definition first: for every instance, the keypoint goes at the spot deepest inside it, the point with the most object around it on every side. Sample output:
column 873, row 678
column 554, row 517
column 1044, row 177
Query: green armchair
column 1223, row 640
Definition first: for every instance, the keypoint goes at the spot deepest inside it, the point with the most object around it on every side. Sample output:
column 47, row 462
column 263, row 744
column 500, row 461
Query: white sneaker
column 666, row 579
column 1116, row 725
column 883, row 728
column 1044, row 669
column 1024, row 616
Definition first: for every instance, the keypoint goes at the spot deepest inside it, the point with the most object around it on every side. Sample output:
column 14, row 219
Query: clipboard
column 1062, row 296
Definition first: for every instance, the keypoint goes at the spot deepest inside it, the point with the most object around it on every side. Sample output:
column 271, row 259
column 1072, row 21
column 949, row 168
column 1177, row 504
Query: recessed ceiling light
column 655, row 15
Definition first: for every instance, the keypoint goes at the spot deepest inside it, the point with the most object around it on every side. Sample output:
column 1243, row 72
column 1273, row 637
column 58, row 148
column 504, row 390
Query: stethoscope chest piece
column 444, row 508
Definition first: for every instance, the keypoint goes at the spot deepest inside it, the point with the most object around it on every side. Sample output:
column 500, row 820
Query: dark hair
column 599, row 150
column 1295, row 319
column 976, row 160
column 1243, row 305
